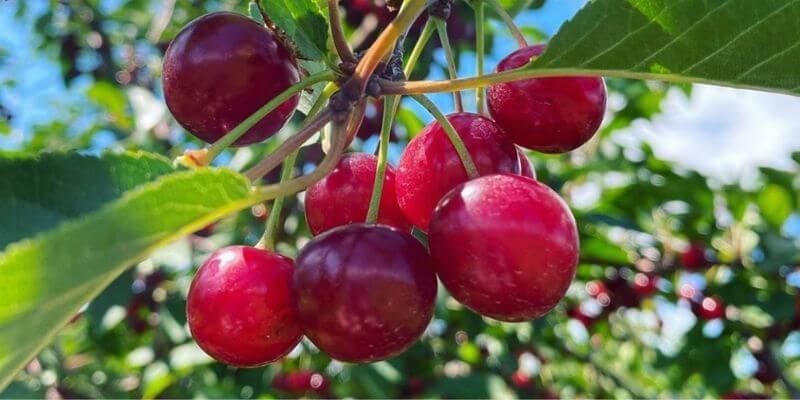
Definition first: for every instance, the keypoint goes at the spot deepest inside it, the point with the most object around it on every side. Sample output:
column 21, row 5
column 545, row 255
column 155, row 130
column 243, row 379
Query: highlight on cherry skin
column 343, row 197
column 549, row 115
column 506, row 246
column 364, row 292
column 430, row 166
column 220, row 69
column 240, row 308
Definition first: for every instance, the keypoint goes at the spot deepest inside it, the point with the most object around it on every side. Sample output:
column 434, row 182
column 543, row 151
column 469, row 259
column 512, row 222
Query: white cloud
column 724, row 133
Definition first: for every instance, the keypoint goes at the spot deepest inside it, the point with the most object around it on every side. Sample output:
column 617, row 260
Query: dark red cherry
column 221, row 68
column 364, row 292
column 343, row 197
column 430, row 166
column 302, row 381
column 550, row 115
column 240, row 307
column 525, row 165
column 709, row 308
column 505, row 246
column 694, row 257
column 644, row 285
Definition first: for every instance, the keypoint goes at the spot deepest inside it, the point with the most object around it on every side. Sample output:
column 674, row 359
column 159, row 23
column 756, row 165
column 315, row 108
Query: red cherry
column 430, row 166
column 694, row 257
column 766, row 373
column 709, row 308
column 301, row 382
column 221, row 68
column 343, row 197
column 550, row 115
column 526, row 167
column 578, row 314
column 506, row 246
column 521, row 380
column 644, row 285
column 364, row 292
column 240, row 307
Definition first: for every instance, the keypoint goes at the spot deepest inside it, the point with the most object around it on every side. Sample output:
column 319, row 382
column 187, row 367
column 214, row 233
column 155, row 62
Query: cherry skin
column 550, row 115
column 364, row 292
column 240, row 307
column 343, row 196
column 525, row 165
column 221, row 68
column 709, row 308
column 430, row 166
column 645, row 285
column 694, row 258
column 505, row 246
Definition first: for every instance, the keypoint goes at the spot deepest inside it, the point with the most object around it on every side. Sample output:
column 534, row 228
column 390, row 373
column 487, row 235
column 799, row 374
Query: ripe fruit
column 430, row 166
column 645, row 285
column 506, row 246
column 302, row 381
column 550, row 115
column 525, row 165
column 343, row 197
column 694, row 257
column 240, row 307
column 221, row 68
column 709, row 308
column 364, row 292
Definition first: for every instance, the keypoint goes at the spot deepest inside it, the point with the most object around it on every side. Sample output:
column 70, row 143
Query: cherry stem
column 509, row 21
column 480, row 49
column 337, row 33
column 383, row 156
column 289, row 146
column 323, row 169
column 226, row 141
column 522, row 73
column 441, row 28
column 461, row 148
column 386, row 41
column 267, row 241
column 414, row 56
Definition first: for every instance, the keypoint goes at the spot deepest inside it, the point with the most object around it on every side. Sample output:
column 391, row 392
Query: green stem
column 383, row 155
column 226, row 141
column 480, row 49
column 416, row 53
column 441, row 28
column 461, row 149
column 267, row 241
column 509, row 21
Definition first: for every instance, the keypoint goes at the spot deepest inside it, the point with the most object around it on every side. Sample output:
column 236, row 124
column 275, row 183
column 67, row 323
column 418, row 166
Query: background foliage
column 613, row 336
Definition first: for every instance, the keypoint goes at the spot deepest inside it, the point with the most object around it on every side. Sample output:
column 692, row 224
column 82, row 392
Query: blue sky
column 721, row 132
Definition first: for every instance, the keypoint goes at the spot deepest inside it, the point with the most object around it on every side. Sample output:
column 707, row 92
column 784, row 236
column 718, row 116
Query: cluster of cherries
column 503, row 244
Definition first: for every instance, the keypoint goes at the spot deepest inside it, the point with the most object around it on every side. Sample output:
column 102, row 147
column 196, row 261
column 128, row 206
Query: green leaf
column 776, row 204
column 47, row 278
column 738, row 43
column 40, row 192
column 304, row 22
column 112, row 100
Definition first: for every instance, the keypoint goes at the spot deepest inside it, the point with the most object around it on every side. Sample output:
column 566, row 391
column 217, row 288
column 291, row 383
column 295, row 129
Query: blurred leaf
column 42, row 191
column 48, row 278
column 305, row 22
column 113, row 100
column 729, row 43
column 776, row 204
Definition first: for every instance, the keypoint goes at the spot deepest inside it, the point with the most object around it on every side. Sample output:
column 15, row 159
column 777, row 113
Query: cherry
column 742, row 395
column 373, row 120
column 506, row 246
column 550, row 115
column 694, row 258
column 585, row 319
column 240, row 307
column 343, row 197
column 644, row 285
column 709, row 308
column 521, row 380
column 430, row 166
column 766, row 372
column 221, row 68
column 301, row 381
column 526, row 167
column 364, row 292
